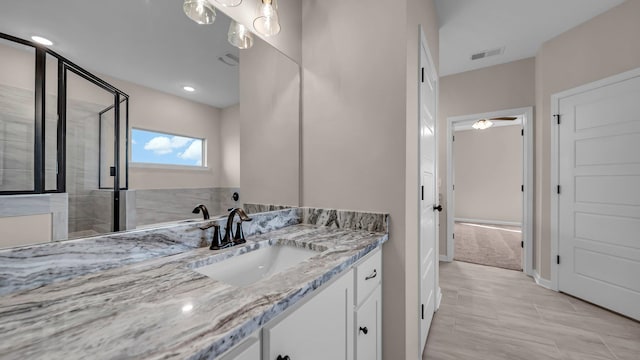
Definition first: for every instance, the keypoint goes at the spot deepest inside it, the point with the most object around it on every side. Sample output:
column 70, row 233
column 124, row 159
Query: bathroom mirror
column 160, row 114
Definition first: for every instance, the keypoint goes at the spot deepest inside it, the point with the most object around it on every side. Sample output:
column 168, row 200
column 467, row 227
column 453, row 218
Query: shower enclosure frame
column 64, row 66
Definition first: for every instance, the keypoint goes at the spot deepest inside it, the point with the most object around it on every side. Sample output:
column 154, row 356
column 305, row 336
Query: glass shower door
column 90, row 138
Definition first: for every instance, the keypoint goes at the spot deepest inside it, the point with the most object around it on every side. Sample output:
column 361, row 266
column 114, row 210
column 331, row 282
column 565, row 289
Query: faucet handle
column 238, row 237
column 215, row 240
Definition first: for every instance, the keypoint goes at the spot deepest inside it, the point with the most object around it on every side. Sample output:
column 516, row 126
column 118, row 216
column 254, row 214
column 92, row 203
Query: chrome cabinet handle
column 373, row 274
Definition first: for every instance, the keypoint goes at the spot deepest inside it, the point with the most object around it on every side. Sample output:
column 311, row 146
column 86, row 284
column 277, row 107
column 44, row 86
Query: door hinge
column 557, row 116
column 558, row 189
column 454, row 187
column 422, row 190
column 453, row 235
column 558, row 259
column 422, row 69
column 422, row 311
column 453, row 138
column 522, row 244
column 522, row 132
column 522, row 188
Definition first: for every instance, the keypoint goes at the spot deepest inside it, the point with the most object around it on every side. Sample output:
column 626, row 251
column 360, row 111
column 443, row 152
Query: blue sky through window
column 159, row 148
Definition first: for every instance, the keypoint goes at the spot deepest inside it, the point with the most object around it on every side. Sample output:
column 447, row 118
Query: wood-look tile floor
column 490, row 313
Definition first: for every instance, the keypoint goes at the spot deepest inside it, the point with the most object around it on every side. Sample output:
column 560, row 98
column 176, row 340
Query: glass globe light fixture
column 267, row 22
column 239, row 36
column 229, row 3
column 199, row 11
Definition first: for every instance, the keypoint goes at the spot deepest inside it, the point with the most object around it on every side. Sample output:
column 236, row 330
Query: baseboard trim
column 488, row 222
column 438, row 298
column 541, row 281
column 445, row 258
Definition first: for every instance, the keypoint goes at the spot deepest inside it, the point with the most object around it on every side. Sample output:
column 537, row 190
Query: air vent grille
column 487, row 53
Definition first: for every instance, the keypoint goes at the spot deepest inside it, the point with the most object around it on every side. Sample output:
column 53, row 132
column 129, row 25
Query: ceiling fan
column 486, row 123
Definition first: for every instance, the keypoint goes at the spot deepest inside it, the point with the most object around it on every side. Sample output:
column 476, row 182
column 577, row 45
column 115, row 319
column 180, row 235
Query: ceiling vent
column 229, row 59
column 487, row 53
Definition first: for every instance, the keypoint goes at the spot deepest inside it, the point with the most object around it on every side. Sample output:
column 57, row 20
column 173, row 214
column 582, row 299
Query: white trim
column 488, row 222
column 438, row 298
column 542, row 281
column 445, row 258
column 527, row 178
column 555, row 151
column 141, row 165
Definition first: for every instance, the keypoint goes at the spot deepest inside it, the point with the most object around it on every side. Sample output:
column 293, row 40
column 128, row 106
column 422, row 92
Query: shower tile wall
column 89, row 208
column 165, row 205
column 16, row 138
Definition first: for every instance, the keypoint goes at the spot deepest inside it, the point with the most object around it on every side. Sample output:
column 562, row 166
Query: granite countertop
column 161, row 308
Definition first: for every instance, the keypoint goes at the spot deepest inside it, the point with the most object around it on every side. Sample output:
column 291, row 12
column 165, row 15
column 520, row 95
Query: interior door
column 599, row 201
column 428, row 193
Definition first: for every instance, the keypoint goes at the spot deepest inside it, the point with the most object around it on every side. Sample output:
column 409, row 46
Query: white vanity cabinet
column 368, row 308
column 341, row 322
column 319, row 329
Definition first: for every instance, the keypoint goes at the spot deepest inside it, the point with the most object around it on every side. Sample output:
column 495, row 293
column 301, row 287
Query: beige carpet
column 492, row 245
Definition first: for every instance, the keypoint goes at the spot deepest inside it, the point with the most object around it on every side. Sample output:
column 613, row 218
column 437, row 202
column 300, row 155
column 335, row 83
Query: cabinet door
column 368, row 328
column 320, row 329
column 247, row 350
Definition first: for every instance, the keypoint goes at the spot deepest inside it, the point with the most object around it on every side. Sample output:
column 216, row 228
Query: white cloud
column 162, row 145
column 179, row 141
column 193, row 152
column 133, row 141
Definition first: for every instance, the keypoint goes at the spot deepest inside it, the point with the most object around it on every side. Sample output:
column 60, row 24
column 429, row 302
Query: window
column 151, row 147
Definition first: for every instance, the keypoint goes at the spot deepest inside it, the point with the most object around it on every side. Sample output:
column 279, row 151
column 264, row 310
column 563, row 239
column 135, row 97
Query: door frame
column 527, row 179
column 422, row 43
column 555, row 161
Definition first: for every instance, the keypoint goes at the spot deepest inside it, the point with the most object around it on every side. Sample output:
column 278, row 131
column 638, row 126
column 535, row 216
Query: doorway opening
column 490, row 189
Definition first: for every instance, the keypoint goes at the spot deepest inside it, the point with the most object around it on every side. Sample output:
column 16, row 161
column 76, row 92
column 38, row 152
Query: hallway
column 490, row 313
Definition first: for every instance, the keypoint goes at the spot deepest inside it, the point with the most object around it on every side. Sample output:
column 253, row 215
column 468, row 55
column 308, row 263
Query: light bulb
column 239, row 36
column 267, row 23
column 229, row 3
column 482, row 124
column 199, row 11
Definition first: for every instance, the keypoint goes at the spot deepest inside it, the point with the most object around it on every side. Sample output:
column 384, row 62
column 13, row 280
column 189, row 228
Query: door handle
column 373, row 274
column 364, row 330
column 439, row 208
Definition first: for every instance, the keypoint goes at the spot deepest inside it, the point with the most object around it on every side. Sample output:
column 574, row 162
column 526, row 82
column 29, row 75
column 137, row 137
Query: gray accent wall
column 155, row 206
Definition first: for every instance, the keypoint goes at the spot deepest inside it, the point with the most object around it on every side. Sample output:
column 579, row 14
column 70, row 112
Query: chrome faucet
column 205, row 212
column 238, row 238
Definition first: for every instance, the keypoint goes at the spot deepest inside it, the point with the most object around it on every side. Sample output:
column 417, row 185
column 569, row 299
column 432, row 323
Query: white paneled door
column 599, row 200
column 428, row 228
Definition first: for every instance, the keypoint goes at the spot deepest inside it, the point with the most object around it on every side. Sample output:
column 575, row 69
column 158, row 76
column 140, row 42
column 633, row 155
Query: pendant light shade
column 229, row 3
column 267, row 22
column 239, row 36
column 482, row 124
column 200, row 11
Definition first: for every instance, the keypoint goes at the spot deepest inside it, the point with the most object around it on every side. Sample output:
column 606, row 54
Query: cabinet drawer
column 368, row 325
column 368, row 275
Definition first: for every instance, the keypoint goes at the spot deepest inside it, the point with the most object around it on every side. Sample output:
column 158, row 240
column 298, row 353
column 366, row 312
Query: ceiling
column 521, row 26
column 148, row 42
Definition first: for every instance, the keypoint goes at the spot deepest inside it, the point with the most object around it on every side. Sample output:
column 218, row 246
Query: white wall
column 269, row 126
column 488, row 174
column 230, row 147
column 603, row 46
column 500, row 87
column 359, row 134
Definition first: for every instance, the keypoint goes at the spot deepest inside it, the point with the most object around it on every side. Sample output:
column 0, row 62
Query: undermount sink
column 250, row 267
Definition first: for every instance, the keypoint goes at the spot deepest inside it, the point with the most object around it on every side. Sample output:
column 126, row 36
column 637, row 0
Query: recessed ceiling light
column 189, row 89
column 41, row 40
